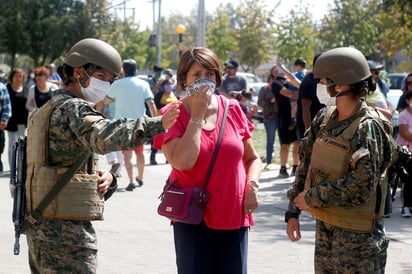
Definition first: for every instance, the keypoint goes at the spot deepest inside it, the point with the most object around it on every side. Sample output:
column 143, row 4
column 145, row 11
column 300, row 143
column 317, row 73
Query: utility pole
column 201, row 25
column 159, row 35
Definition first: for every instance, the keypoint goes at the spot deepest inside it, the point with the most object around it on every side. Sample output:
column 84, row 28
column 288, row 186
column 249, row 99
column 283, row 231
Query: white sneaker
column 406, row 212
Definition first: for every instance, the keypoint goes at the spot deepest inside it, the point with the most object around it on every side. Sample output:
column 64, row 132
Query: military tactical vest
column 330, row 161
column 79, row 198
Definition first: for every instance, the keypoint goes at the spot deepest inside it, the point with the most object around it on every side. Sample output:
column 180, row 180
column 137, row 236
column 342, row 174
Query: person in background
column 246, row 103
column 18, row 93
column 156, row 80
column 407, row 87
column 233, row 84
column 308, row 102
column 375, row 69
column 405, row 138
column 287, row 136
column 267, row 102
column 130, row 95
column 5, row 114
column 63, row 240
column 54, row 77
column 3, row 78
column 219, row 244
column 343, row 159
column 42, row 91
column 165, row 96
column 30, row 81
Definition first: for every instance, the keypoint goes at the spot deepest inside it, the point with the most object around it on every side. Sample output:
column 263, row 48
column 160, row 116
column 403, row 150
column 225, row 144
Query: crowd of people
column 96, row 104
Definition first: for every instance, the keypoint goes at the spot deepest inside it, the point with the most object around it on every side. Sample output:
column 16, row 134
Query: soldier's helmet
column 344, row 66
column 129, row 67
column 97, row 52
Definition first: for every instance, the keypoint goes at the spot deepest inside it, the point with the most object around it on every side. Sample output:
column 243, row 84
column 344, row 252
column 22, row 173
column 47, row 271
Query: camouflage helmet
column 344, row 66
column 96, row 52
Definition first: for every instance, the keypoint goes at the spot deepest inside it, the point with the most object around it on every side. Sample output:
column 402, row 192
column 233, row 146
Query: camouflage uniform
column 338, row 250
column 57, row 246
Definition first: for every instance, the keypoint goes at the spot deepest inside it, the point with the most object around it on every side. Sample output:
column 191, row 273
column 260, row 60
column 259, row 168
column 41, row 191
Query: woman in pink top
column 220, row 243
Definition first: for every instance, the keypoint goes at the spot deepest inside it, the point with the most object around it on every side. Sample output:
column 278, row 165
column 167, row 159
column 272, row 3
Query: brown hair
column 204, row 57
column 14, row 72
column 42, row 70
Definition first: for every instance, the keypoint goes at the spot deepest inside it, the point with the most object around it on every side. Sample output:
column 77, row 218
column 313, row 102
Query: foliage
column 45, row 29
column 396, row 26
column 352, row 23
column 296, row 36
column 254, row 33
column 223, row 41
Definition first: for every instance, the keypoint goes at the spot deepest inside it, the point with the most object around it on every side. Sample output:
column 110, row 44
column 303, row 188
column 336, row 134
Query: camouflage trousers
column 47, row 258
column 346, row 252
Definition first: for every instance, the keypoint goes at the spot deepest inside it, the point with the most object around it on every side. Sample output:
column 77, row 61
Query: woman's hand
column 251, row 200
column 170, row 116
column 200, row 101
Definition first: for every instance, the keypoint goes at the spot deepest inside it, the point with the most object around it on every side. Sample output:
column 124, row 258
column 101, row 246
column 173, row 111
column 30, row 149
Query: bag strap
column 33, row 217
column 219, row 141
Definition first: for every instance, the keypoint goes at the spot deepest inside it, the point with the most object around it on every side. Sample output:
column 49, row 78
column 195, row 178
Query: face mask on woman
column 198, row 83
column 96, row 91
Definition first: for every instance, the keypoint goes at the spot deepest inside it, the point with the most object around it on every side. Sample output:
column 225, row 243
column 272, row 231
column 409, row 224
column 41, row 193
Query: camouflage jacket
column 77, row 126
column 74, row 127
column 359, row 183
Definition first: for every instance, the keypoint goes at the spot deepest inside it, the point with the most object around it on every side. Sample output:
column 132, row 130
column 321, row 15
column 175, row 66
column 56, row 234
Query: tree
column 45, row 29
column 296, row 36
column 352, row 23
column 254, row 33
column 396, row 27
column 220, row 33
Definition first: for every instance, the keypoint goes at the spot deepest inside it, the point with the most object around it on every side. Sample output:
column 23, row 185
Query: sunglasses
column 408, row 83
column 39, row 74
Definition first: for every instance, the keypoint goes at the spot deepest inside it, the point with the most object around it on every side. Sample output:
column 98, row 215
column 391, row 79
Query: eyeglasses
column 39, row 74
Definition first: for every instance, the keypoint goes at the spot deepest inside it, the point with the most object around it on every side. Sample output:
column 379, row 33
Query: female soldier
column 343, row 157
column 63, row 240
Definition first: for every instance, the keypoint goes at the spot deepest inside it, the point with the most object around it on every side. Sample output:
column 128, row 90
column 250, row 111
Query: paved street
column 134, row 239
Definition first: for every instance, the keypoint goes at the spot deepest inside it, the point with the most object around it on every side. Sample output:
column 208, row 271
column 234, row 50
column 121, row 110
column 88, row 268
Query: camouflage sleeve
column 305, row 151
column 103, row 135
column 358, row 185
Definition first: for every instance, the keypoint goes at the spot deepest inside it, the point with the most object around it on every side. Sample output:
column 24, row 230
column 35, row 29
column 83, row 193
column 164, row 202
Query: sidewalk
column 133, row 238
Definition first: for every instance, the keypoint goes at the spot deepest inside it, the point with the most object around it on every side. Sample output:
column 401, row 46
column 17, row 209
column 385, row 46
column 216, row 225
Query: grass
column 259, row 140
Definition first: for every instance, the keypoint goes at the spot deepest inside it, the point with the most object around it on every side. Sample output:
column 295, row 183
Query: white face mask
column 96, row 91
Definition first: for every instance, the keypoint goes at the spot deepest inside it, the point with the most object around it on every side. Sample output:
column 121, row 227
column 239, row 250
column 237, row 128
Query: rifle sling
column 33, row 217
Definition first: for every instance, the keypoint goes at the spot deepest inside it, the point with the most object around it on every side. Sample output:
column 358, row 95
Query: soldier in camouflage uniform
column 69, row 246
column 350, row 236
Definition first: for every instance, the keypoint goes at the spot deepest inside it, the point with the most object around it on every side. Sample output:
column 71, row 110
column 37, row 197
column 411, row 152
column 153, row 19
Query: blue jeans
column 271, row 127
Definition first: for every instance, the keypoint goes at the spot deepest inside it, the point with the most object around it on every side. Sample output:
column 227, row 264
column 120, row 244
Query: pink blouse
column 227, row 182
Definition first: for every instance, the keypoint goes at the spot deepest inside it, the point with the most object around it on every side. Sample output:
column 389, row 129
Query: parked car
column 252, row 81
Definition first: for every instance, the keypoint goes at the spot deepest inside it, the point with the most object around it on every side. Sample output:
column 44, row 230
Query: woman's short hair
column 202, row 56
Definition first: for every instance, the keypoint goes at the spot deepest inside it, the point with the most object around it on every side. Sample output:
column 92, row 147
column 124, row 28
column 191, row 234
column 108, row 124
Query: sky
column 143, row 9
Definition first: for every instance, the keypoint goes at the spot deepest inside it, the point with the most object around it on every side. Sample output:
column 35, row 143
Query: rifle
column 398, row 172
column 18, row 188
